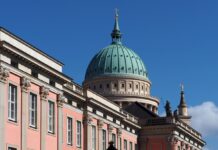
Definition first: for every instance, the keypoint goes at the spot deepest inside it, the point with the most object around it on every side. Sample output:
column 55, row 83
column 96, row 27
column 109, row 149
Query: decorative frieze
column 173, row 140
column 87, row 120
column 4, row 74
column 110, row 128
column 44, row 92
column 25, row 84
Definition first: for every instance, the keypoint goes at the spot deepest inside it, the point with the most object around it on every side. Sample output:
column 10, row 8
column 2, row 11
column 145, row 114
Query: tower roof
column 116, row 60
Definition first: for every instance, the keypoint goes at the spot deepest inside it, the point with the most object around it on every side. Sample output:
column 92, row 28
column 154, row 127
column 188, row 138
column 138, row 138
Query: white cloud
column 205, row 118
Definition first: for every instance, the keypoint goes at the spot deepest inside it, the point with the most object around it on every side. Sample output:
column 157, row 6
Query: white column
column 119, row 135
column 100, row 134
column 110, row 129
column 44, row 94
column 25, row 84
column 88, row 132
column 60, row 121
column 4, row 74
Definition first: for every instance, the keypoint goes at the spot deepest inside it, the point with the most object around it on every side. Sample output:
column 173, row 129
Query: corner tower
column 119, row 74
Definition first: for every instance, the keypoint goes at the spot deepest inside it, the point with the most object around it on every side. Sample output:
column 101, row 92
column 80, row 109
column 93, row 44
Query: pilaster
column 60, row 101
column 88, row 131
column 100, row 134
column 44, row 92
column 172, row 140
column 119, row 135
column 25, row 84
column 110, row 130
column 4, row 74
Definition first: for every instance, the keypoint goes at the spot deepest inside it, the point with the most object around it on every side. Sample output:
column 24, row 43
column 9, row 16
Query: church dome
column 116, row 60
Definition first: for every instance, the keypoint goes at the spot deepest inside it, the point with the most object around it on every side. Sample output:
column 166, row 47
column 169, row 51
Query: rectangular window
column 33, row 110
column 104, row 139
column 114, row 139
column 12, row 103
column 93, row 138
column 120, row 141
column 51, row 116
column 125, row 144
column 130, row 145
column 69, row 131
column 11, row 148
column 78, row 134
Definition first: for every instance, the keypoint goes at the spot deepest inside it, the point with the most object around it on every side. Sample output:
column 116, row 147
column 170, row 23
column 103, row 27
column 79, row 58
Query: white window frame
column 93, row 138
column 104, row 139
column 11, row 148
column 78, row 133
column 130, row 146
column 69, row 131
column 12, row 103
column 114, row 139
column 120, row 141
column 32, row 110
column 125, row 145
column 51, row 117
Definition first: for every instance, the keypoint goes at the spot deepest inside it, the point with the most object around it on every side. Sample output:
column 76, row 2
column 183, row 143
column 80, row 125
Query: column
column 110, row 129
column 4, row 74
column 25, row 84
column 88, row 132
column 43, row 95
column 100, row 134
column 119, row 135
column 172, row 140
column 60, row 101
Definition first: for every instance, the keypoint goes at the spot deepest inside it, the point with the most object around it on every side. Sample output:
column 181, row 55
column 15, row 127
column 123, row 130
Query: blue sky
column 177, row 40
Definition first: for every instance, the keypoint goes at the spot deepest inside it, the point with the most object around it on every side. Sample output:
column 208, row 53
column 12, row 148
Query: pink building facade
column 43, row 109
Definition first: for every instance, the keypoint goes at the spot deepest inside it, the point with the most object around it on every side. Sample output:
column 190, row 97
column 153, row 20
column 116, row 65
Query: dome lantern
column 116, row 34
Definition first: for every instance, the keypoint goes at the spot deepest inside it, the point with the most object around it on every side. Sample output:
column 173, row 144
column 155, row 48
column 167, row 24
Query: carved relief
column 119, row 132
column 173, row 140
column 100, row 124
column 87, row 120
column 25, row 83
column 60, row 100
column 44, row 92
column 4, row 74
column 110, row 128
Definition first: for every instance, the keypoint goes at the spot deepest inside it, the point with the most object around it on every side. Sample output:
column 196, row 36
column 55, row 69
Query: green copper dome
column 116, row 60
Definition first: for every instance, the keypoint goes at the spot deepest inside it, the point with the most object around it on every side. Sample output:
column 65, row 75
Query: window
column 11, row 148
column 100, row 86
column 12, row 103
column 78, row 134
column 125, row 144
column 114, row 139
column 93, row 138
column 69, row 131
column 120, row 141
column 104, row 139
column 122, row 85
column 50, row 117
column 130, row 85
column 108, row 86
column 137, row 86
column 130, row 145
column 179, row 148
column 33, row 110
column 115, row 85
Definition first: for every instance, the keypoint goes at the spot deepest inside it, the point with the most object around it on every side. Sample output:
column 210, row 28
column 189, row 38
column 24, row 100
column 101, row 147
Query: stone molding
column 44, row 92
column 25, row 84
column 87, row 120
column 4, row 74
column 173, row 140
column 60, row 100
column 110, row 128
column 119, row 132
column 100, row 124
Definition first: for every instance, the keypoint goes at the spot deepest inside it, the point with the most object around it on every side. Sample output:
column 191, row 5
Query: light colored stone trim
column 25, row 84
column 4, row 74
column 60, row 101
column 44, row 91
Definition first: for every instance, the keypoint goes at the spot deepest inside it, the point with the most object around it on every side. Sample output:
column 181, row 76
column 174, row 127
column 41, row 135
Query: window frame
column 12, row 117
column 32, row 110
column 93, row 137
column 70, row 131
column 125, row 144
column 113, row 136
column 104, row 139
column 78, row 134
column 52, row 117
